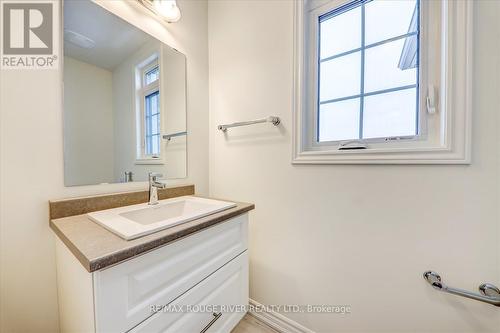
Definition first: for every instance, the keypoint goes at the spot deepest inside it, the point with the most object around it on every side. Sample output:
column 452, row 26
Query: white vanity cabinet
column 200, row 280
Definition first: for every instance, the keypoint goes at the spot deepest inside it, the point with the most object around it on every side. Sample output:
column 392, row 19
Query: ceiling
column 115, row 39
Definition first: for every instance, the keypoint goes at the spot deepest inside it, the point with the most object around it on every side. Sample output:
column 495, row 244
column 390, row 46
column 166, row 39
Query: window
column 152, row 75
column 149, row 115
column 380, row 72
column 152, row 122
column 368, row 71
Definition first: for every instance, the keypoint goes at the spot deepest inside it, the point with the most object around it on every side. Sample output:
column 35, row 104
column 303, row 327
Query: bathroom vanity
column 133, row 262
column 192, row 277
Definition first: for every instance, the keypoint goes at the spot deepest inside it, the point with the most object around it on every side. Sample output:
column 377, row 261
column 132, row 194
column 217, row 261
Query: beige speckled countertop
column 97, row 248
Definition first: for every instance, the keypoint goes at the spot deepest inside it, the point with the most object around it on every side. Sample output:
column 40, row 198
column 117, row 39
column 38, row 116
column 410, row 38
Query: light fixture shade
column 168, row 9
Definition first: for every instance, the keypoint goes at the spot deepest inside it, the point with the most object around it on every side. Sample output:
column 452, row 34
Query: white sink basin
column 134, row 221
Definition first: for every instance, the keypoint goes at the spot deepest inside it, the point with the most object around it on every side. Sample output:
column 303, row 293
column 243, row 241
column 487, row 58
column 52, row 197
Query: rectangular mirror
column 124, row 100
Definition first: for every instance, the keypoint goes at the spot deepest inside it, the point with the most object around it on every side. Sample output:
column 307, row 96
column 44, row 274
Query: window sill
column 383, row 156
column 149, row 161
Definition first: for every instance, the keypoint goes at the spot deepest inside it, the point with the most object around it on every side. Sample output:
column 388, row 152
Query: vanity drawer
column 226, row 288
column 124, row 293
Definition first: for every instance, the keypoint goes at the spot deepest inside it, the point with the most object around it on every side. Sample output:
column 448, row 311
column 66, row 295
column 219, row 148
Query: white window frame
column 444, row 137
column 142, row 91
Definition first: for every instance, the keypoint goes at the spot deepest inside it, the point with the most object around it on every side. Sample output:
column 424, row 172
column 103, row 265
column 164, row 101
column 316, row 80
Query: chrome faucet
column 154, row 185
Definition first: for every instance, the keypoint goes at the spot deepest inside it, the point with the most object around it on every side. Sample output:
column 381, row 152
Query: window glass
column 152, row 75
column 340, row 77
column 390, row 115
column 339, row 120
column 383, row 70
column 386, row 19
column 368, row 71
column 341, row 33
column 152, row 124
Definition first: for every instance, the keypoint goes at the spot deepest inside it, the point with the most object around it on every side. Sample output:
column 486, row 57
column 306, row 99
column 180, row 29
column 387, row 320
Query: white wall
column 356, row 235
column 31, row 165
column 88, row 123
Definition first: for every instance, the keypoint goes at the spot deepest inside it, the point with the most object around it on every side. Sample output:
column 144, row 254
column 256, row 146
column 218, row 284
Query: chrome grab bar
column 274, row 120
column 170, row 136
column 489, row 293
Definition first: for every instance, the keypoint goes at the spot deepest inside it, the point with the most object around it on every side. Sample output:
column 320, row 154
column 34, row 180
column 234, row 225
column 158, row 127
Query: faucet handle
column 154, row 175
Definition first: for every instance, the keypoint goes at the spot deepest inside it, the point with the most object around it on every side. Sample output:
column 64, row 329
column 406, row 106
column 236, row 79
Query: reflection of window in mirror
column 149, row 112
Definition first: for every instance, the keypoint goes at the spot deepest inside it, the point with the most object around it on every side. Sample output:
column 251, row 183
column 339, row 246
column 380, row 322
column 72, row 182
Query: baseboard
column 276, row 320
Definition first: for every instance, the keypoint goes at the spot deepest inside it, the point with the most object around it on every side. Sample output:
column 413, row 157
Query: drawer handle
column 216, row 316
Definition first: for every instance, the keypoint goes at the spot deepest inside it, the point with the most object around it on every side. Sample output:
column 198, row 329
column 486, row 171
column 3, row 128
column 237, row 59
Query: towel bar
column 170, row 136
column 489, row 293
column 274, row 120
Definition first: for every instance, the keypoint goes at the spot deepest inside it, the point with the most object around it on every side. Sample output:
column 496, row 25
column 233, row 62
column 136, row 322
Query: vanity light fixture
column 167, row 9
